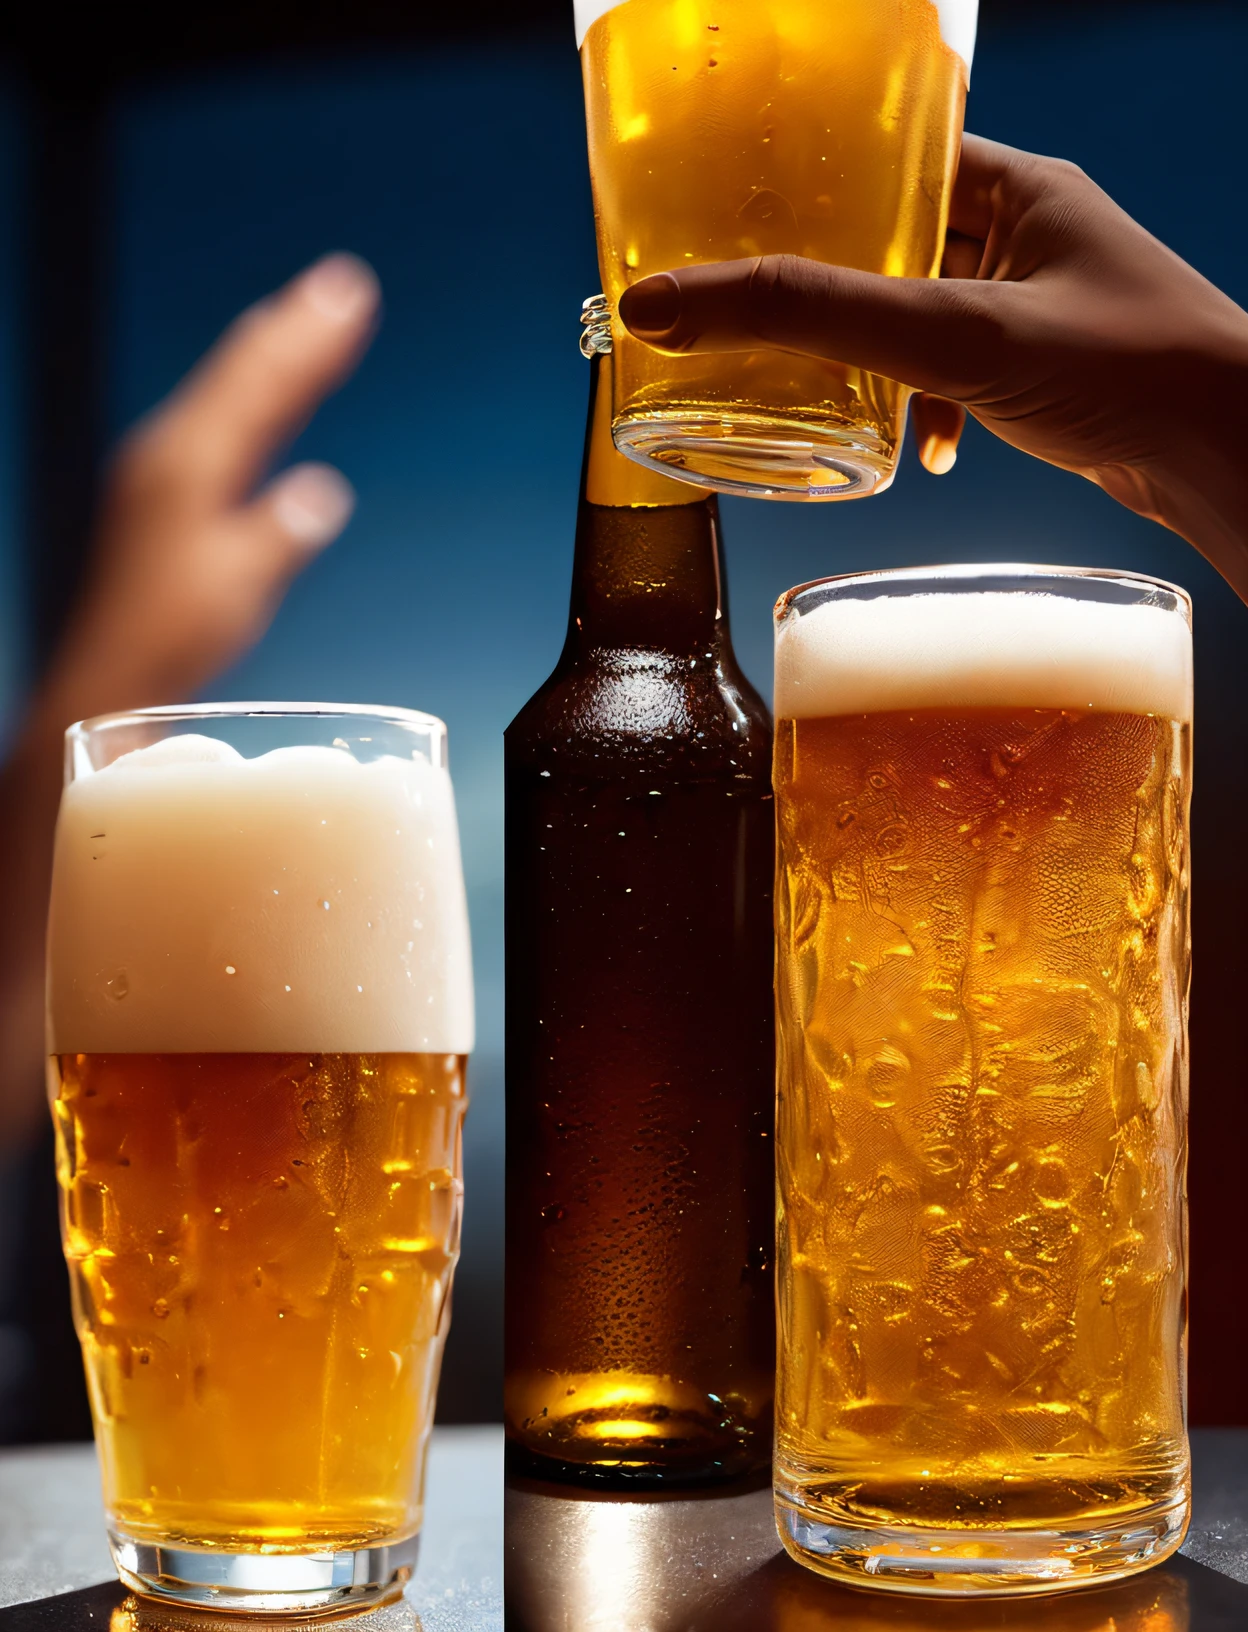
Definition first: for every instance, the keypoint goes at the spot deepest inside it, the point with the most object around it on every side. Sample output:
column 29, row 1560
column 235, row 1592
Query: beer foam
column 298, row 902
column 983, row 649
column 958, row 22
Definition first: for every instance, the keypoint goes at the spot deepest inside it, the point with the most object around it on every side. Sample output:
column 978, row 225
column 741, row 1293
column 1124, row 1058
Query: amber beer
column 259, row 1008
column 640, row 1346
column 720, row 129
column 983, row 779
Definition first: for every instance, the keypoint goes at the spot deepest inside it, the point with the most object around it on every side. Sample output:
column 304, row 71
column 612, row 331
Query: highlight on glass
column 259, row 1012
column 723, row 129
column 983, row 778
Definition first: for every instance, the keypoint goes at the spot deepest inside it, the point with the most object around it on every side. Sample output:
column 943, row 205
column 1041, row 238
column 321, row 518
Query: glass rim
column 389, row 714
column 961, row 577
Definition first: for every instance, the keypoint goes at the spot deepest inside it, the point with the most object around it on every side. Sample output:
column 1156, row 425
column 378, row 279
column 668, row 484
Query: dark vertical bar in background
column 66, row 244
column 69, row 203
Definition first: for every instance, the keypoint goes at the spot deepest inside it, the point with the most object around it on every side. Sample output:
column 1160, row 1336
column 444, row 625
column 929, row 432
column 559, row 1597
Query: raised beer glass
column 721, row 129
column 983, row 779
column 259, row 1008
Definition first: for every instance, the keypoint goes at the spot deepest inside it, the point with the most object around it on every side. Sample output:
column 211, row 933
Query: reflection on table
column 141, row 1615
column 581, row 1562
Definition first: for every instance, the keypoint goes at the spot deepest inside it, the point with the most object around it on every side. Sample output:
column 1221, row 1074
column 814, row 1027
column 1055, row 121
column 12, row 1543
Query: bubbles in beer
column 258, row 1115
column 982, row 988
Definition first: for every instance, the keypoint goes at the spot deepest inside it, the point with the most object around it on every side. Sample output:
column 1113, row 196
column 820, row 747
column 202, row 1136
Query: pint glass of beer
column 722, row 129
column 982, row 779
column 259, row 1008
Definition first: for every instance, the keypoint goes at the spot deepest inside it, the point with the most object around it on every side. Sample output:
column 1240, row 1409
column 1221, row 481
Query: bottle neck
column 647, row 571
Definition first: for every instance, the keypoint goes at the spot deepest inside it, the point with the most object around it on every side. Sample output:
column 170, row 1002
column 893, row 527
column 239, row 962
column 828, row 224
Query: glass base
column 760, row 457
column 265, row 1583
column 982, row 1563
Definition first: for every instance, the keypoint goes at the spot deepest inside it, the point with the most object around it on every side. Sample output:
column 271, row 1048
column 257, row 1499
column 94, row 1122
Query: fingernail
column 939, row 455
column 341, row 287
column 313, row 503
column 651, row 308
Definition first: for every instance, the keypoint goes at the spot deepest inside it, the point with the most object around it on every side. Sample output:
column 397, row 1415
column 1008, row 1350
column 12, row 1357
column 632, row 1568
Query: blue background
column 460, row 173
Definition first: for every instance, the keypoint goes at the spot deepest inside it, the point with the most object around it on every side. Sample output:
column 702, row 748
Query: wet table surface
column 52, row 1543
column 587, row 1563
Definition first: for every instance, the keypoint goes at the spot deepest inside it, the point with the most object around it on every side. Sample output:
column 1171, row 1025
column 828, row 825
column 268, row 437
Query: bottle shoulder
column 639, row 707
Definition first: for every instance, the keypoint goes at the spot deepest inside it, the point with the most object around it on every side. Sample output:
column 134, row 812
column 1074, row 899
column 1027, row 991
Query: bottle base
column 758, row 456
column 265, row 1583
column 638, row 1477
column 984, row 1563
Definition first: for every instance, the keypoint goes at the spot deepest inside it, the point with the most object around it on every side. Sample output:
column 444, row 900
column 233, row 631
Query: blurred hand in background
column 191, row 559
column 1060, row 324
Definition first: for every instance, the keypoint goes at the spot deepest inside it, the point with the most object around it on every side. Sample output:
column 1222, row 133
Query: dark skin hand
column 1059, row 323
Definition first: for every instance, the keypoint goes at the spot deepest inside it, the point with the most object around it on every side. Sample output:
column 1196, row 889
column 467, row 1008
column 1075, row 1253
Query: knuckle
column 983, row 319
column 1067, row 171
column 777, row 285
column 156, row 464
column 140, row 464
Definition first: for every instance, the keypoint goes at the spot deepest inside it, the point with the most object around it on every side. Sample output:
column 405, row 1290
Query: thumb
column 946, row 336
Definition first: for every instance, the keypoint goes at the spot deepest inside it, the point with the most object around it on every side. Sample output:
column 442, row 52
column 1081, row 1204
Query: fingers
column 938, row 427
column 982, row 166
column 942, row 336
column 196, row 605
column 307, row 507
column 211, row 441
column 963, row 256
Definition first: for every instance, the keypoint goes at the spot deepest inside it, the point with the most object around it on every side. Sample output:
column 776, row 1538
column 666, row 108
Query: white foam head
column 959, row 20
column 982, row 649
column 302, row 900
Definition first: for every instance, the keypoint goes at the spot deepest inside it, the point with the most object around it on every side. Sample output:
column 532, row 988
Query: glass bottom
column 761, row 456
column 265, row 1583
column 982, row 1563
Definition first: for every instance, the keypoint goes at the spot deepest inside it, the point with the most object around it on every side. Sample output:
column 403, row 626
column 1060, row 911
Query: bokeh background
column 151, row 188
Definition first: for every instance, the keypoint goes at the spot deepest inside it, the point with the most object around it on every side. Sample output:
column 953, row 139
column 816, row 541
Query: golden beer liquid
column 728, row 128
column 260, row 1249
column 982, row 986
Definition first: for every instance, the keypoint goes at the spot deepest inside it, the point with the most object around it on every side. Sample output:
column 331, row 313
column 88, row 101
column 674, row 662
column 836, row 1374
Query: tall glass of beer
column 983, row 780
column 259, row 1008
column 722, row 129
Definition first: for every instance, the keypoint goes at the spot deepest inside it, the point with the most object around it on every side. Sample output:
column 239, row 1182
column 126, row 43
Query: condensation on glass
column 259, row 1011
column 983, row 779
column 729, row 129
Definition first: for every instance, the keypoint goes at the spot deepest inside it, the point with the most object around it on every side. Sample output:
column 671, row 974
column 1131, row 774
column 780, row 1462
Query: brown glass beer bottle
column 640, row 1325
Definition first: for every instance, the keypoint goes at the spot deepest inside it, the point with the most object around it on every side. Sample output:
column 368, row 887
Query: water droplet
column 230, row 969
column 118, row 987
column 160, row 1309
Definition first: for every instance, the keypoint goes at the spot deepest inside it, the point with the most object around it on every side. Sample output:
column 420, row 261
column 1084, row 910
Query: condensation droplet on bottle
column 118, row 987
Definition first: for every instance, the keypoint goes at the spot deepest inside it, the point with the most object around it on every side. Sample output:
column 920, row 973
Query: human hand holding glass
column 719, row 128
column 1062, row 325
